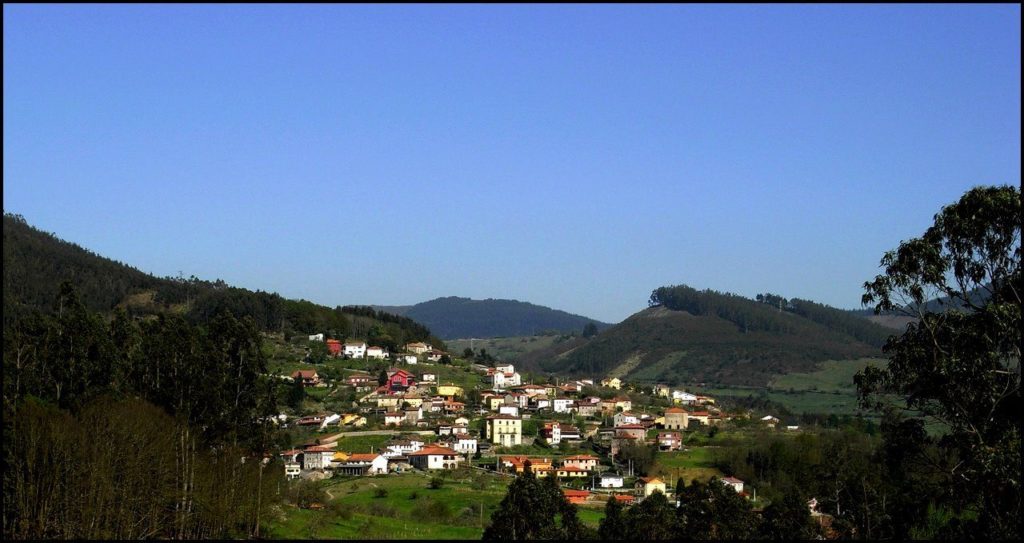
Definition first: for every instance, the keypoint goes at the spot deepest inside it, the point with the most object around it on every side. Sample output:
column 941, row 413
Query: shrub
column 380, row 493
column 436, row 483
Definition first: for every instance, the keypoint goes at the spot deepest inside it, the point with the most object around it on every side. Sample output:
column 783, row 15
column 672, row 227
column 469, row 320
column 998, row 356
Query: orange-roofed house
column 309, row 378
column 362, row 464
column 581, row 461
column 576, row 496
column 435, row 457
column 333, row 347
column 645, row 486
column 676, row 418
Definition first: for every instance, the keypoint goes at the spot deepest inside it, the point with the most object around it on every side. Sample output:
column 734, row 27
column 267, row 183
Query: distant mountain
column 36, row 263
column 453, row 317
column 691, row 336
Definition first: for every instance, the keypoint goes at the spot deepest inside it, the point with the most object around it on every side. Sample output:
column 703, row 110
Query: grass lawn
column 694, row 463
column 460, row 509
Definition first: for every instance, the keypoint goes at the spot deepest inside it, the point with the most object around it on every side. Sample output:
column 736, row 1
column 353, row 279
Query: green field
column 694, row 463
column 828, row 390
column 460, row 509
column 505, row 348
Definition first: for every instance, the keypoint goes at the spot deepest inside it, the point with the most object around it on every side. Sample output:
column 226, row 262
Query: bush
column 380, row 493
column 436, row 483
column 414, row 495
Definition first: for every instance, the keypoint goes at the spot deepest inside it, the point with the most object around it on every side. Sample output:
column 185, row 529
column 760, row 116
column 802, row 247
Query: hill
column 453, row 317
column 37, row 262
column 690, row 336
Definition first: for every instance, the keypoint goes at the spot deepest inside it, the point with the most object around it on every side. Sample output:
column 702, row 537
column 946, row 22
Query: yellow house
column 494, row 402
column 645, row 486
column 614, row 382
column 504, row 430
column 340, row 456
column 449, row 390
column 413, row 401
column 387, row 401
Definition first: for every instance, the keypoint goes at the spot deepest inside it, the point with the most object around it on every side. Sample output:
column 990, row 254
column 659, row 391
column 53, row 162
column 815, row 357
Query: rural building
column 355, row 349
column 676, row 418
column 645, row 486
column 504, row 430
column 434, row 457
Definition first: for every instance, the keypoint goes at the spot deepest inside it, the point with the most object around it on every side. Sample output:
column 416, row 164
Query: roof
column 623, row 497
column 570, row 493
column 731, row 480
column 367, row 457
column 675, row 410
column 319, row 448
column 651, row 480
column 433, row 450
column 630, row 427
column 333, row 340
column 503, row 417
column 305, row 374
column 580, row 457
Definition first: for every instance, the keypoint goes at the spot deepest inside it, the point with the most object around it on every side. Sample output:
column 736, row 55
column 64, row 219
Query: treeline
column 36, row 263
column 127, row 429
column 769, row 313
column 454, row 317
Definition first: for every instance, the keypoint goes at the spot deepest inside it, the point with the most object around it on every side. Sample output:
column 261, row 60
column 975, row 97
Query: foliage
column 453, row 317
column 961, row 365
column 534, row 509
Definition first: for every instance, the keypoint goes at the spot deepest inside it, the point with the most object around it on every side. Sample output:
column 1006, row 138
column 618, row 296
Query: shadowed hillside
column 453, row 317
column 691, row 336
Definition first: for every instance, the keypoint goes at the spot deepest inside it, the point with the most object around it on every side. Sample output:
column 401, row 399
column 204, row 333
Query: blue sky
column 574, row 156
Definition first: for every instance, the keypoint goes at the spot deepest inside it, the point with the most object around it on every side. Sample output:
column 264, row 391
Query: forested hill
column 688, row 336
column 453, row 317
column 37, row 262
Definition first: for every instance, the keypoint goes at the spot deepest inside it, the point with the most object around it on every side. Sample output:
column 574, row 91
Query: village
column 415, row 418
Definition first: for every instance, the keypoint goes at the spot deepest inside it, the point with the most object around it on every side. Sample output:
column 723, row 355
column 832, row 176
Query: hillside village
column 423, row 415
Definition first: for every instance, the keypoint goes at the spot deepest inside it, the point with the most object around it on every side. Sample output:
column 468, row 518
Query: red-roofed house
column 581, row 461
column 309, row 378
column 434, row 457
column 576, row 496
column 333, row 347
column 363, row 464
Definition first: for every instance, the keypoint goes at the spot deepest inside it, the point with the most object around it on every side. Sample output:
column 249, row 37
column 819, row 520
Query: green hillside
column 453, row 317
column 691, row 336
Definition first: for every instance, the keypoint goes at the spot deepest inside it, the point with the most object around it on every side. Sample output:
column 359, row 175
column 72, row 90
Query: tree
column 788, row 519
column 613, row 525
column 467, row 353
column 296, row 393
column 589, row 330
column 652, row 519
column 317, row 352
column 446, row 360
column 959, row 363
column 382, row 377
column 534, row 509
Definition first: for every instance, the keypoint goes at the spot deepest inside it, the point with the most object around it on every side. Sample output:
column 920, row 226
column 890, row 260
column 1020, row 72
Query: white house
column 402, row 448
column 318, row 457
column 505, row 368
column 769, row 420
column 394, row 417
column 509, row 410
column 625, row 418
column 376, row 352
column 417, row 348
column 360, row 464
column 316, row 337
column 429, row 378
column 735, row 483
column 501, row 380
column 683, row 397
column 434, row 457
column 354, row 349
column 330, row 419
column 292, row 469
column 465, row 444
column 408, row 358
column 610, row 480
column 562, row 405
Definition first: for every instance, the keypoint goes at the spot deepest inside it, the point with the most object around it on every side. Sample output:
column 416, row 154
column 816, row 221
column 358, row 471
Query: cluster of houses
column 362, row 350
column 406, row 401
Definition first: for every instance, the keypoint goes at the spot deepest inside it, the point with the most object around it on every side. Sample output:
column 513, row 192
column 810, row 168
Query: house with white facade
column 362, row 464
column 434, row 457
column 378, row 353
column 563, row 405
column 735, row 483
column 610, row 480
column 317, row 457
column 354, row 349
column 683, row 397
column 292, row 470
column 402, row 448
column 625, row 418
column 316, row 337
column 408, row 358
column 509, row 410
